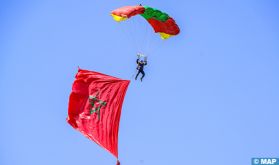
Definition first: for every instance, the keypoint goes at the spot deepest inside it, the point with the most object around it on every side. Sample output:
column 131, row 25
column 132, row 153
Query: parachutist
column 140, row 67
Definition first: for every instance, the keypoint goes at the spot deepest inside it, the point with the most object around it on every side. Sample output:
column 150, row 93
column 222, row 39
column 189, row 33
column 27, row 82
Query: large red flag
column 95, row 107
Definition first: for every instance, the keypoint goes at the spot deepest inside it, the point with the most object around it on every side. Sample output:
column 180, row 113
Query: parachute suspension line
column 135, row 31
column 133, row 28
column 147, row 37
column 122, row 32
column 148, row 43
column 140, row 33
column 128, row 33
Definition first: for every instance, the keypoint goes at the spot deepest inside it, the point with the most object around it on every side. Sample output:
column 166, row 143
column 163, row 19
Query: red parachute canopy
column 161, row 22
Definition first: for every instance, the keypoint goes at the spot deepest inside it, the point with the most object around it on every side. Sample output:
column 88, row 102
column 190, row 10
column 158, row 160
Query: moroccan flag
column 95, row 107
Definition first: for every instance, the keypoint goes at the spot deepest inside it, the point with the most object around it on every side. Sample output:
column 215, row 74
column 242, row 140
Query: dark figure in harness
column 140, row 67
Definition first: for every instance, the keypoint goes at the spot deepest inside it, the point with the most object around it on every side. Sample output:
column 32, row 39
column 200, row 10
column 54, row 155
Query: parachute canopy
column 161, row 22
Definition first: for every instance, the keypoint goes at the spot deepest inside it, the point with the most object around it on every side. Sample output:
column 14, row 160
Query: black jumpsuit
column 140, row 69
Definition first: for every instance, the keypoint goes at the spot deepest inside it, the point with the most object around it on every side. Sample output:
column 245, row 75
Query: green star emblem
column 96, row 104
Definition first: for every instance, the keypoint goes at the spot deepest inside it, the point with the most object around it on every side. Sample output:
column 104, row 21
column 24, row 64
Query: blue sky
column 210, row 95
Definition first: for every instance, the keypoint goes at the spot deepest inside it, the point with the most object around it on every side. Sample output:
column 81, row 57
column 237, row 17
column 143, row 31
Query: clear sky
column 210, row 95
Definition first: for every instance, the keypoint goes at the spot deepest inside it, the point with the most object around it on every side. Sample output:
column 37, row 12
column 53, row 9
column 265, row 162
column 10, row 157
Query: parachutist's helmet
column 141, row 61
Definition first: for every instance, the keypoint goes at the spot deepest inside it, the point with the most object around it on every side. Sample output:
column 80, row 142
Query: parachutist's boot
column 141, row 79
